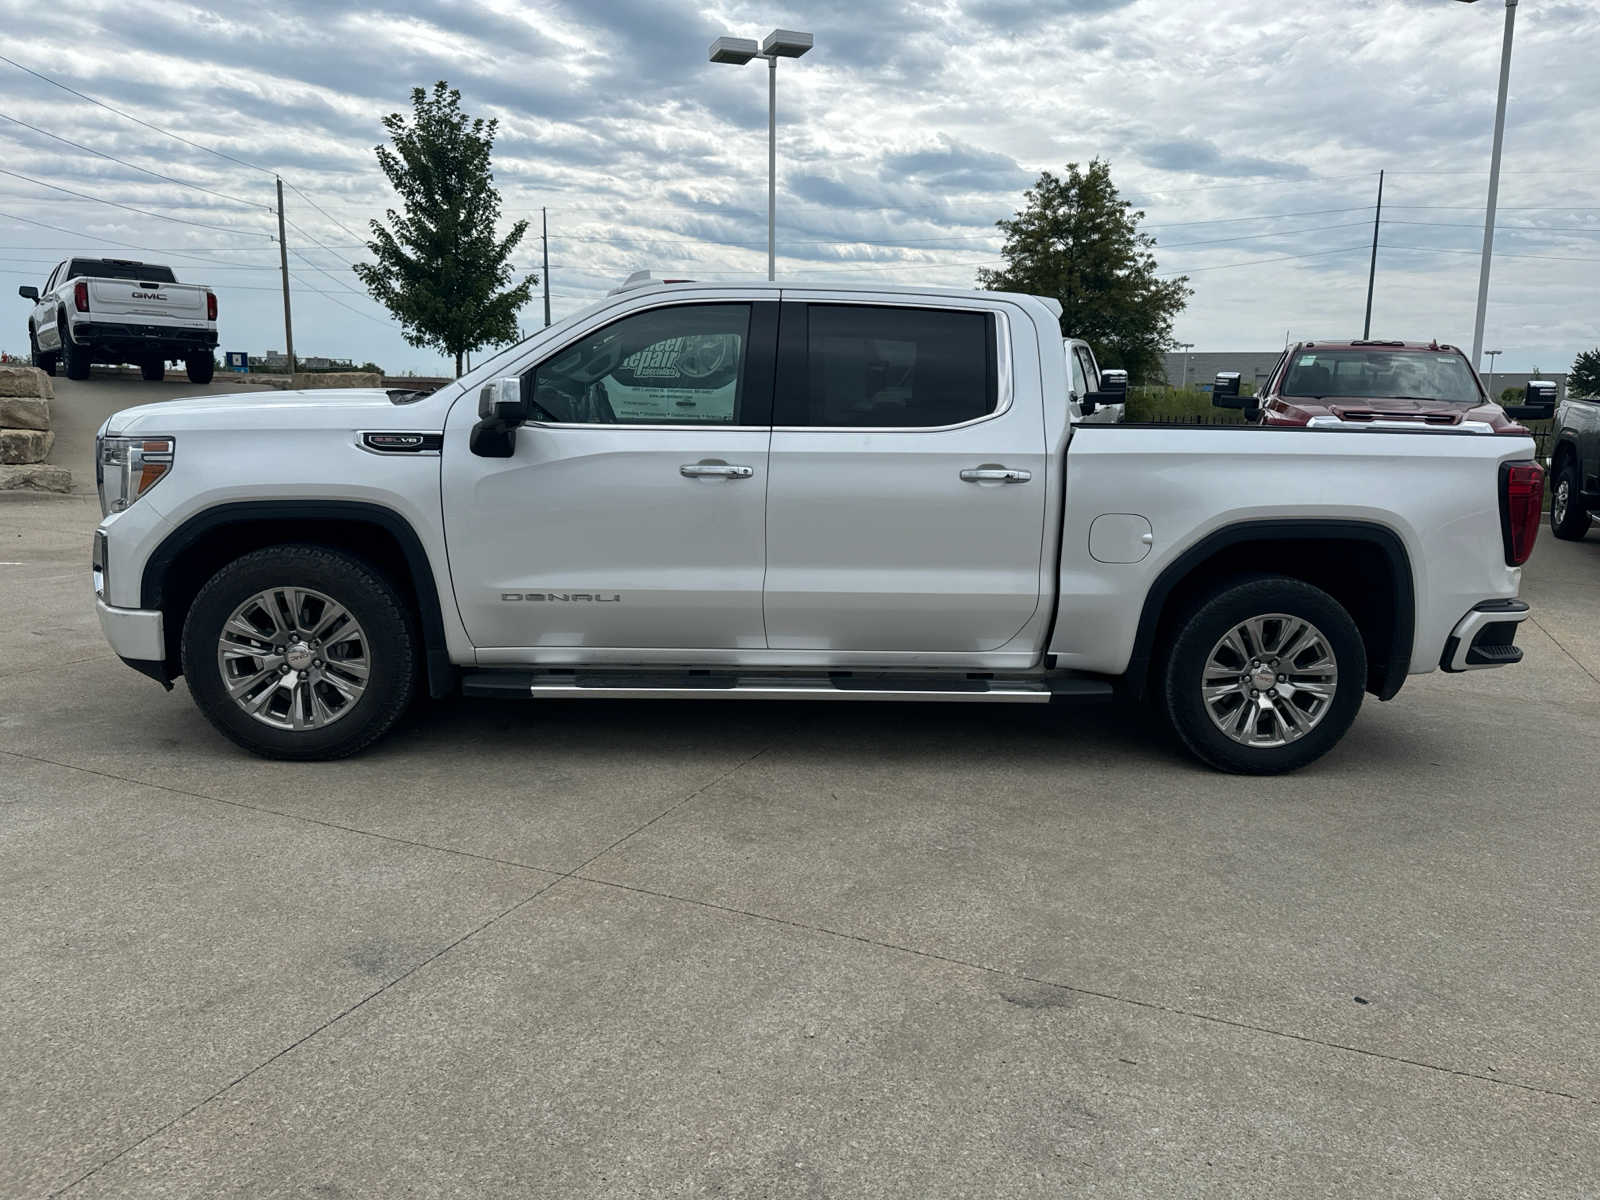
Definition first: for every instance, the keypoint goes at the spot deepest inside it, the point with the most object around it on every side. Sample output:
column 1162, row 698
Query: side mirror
column 1225, row 392
column 28, row 292
column 1539, row 402
column 501, row 400
column 500, row 410
column 1113, row 390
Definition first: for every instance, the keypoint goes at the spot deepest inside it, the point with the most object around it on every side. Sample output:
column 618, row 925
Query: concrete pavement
column 617, row 949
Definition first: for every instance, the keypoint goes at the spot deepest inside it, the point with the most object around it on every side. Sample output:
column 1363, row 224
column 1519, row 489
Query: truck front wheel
column 1265, row 676
column 43, row 359
column 300, row 652
column 154, row 370
column 200, row 367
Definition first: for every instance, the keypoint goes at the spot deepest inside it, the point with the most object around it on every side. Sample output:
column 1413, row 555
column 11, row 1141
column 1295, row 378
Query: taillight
column 1521, row 493
column 211, row 306
column 80, row 296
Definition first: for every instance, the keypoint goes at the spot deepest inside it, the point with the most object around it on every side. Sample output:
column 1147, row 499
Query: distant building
column 277, row 360
column 1254, row 366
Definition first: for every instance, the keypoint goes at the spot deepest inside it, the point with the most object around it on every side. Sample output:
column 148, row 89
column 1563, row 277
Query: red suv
column 1366, row 382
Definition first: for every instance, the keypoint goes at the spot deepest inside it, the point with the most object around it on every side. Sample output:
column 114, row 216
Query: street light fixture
column 1494, row 181
column 780, row 43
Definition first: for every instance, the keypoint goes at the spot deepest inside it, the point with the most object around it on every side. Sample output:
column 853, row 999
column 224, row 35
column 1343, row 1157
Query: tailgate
column 122, row 297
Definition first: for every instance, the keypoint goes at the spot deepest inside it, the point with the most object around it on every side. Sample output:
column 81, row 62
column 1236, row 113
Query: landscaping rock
column 24, row 412
column 338, row 379
column 25, row 445
column 35, row 477
column 25, row 381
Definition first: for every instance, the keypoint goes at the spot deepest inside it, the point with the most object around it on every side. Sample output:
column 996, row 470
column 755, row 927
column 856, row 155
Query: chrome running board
column 651, row 685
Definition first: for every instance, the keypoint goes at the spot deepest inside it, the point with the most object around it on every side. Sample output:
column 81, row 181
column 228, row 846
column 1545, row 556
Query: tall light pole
column 1494, row 181
column 1185, row 347
column 780, row 43
column 1492, row 354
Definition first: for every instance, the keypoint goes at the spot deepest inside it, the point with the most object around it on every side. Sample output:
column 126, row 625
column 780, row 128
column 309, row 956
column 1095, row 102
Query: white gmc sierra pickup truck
column 115, row 310
column 765, row 492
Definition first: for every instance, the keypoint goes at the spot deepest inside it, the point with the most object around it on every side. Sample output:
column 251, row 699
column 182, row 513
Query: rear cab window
column 870, row 366
column 110, row 268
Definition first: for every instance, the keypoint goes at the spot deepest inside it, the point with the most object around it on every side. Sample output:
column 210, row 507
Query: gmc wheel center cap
column 299, row 656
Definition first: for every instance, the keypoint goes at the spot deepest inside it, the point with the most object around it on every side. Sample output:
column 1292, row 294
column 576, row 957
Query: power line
column 340, row 303
column 316, row 243
column 337, row 282
column 130, row 208
column 1497, row 253
column 1257, row 261
column 321, row 210
column 133, row 166
column 130, row 116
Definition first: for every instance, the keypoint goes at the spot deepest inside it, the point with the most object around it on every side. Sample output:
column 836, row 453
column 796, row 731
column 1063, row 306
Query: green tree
column 441, row 268
column 1078, row 241
column 1584, row 378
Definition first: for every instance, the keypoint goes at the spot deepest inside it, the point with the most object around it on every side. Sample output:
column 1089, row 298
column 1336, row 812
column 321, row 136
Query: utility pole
column 1372, row 273
column 1494, row 184
column 544, row 224
column 283, row 261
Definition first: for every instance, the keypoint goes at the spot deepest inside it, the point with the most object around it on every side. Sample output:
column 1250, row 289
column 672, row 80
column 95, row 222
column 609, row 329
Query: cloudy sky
column 1251, row 133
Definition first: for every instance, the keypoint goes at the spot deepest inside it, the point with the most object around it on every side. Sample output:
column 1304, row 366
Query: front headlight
column 128, row 467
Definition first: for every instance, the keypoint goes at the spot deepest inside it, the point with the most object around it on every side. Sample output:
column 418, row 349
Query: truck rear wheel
column 1265, row 676
column 1569, row 520
column 300, row 652
column 154, row 370
column 200, row 367
column 74, row 356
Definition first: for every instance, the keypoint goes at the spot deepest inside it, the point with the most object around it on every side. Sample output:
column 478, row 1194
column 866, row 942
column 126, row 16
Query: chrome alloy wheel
column 1559, row 502
column 1270, row 680
column 293, row 658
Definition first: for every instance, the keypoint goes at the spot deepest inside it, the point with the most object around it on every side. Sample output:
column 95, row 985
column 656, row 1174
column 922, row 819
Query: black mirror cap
column 28, row 292
column 1530, row 412
column 1113, row 382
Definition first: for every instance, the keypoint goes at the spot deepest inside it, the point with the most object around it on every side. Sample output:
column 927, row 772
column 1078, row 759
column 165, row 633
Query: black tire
column 1221, row 612
column 154, row 370
column 371, row 599
column 1569, row 520
column 74, row 356
column 201, row 367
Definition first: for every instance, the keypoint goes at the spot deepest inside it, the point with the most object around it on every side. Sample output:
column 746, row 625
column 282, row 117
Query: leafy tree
column 1511, row 395
column 1584, row 378
column 1078, row 241
column 442, row 271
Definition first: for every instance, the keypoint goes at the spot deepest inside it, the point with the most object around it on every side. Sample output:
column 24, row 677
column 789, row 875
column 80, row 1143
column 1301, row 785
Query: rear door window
column 872, row 366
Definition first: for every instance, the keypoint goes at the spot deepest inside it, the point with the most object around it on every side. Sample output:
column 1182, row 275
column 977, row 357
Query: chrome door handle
column 715, row 471
column 995, row 475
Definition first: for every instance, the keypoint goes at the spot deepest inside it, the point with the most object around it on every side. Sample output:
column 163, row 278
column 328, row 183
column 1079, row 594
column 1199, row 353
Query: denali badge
column 564, row 597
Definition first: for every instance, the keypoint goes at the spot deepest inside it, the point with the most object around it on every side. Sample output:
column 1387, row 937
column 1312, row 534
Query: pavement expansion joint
column 1092, row 993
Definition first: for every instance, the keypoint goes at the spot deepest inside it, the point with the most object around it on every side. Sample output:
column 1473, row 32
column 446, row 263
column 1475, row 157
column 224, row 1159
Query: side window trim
column 760, row 353
column 791, row 391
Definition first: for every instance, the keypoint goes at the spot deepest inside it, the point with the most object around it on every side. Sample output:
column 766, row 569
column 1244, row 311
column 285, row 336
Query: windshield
column 112, row 268
column 1381, row 374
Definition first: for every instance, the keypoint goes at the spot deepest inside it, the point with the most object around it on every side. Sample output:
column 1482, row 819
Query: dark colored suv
column 1366, row 382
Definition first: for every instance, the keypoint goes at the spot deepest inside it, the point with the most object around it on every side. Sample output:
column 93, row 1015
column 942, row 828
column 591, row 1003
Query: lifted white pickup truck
column 767, row 492
column 114, row 310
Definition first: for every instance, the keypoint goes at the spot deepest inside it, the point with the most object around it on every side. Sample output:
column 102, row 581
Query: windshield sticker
column 1307, row 360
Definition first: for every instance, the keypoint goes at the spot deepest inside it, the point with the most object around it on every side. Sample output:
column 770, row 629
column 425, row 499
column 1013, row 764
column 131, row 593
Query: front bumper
column 134, row 633
column 1484, row 637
